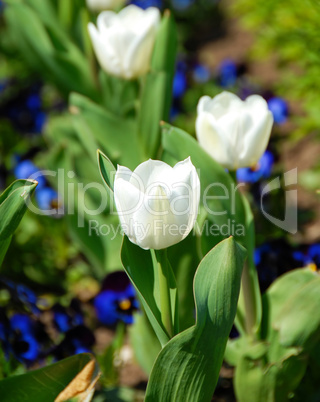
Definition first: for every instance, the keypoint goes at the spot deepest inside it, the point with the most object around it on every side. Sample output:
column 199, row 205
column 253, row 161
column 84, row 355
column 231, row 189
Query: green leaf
column 144, row 342
column 279, row 295
column 250, row 296
column 47, row 383
column 296, row 322
column 4, row 245
column 116, row 137
column 48, row 49
column 157, row 91
column 107, row 170
column 13, row 204
column 274, row 382
column 187, row 368
column 139, row 266
column 223, row 203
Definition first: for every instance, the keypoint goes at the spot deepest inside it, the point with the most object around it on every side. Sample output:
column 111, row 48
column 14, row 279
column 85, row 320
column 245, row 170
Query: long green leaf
column 13, row 205
column 47, row 383
column 157, row 90
column 107, row 170
column 141, row 271
column 116, row 137
column 187, row 368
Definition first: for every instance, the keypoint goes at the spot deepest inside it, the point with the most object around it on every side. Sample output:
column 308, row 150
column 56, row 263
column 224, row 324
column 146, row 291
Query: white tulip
column 124, row 42
column 157, row 204
column 101, row 5
column 234, row 132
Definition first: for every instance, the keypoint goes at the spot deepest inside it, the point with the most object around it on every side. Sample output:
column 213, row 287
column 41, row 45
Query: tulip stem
column 163, row 268
column 249, row 299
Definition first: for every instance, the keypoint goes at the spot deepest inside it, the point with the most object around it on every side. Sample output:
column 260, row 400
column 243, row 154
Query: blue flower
column 40, row 119
column 77, row 340
column 117, row 300
column 308, row 256
column 182, row 5
column 259, row 251
column 180, row 83
column 33, row 102
column 144, row 4
column 314, row 253
column 273, row 259
column 201, row 73
column 279, row 109
column 25, row 169
column 67, row 318
column 227, row 73
column 261, row 171
column 23, row 340
column 22, row 294
column 47, row 199
column 3, row 83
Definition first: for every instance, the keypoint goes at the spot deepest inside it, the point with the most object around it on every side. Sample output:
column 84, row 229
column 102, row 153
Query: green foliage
column 188, row 367
column 153, row 108
column 48, row 382
column 47, row 48
column 142, row 270
column 222, row 201
column 288, row 29
column 274, row 367
column 13, row 205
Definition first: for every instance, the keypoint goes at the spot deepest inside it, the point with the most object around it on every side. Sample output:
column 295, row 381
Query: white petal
column 256, row 139
column 224, row 103
column 256, row 102
column 213, row 140
column 203, row 104
column 158, row 225
column 139, row 51
column 123, row 173
column 104, row 52
column 185, row 197
column 128, row 200
column 153, row 171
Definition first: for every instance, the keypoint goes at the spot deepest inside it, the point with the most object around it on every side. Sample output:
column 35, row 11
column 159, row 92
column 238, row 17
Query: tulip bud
column 101, row 5
column 124, row 42
column 234, row 132
column 157, row 204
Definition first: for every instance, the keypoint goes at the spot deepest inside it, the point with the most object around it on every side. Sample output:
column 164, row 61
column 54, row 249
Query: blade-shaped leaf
column 279, row 294
column 4, row 245
column 72, row 376
column 116, row 137
column 294, row 322
column 141, row 271
column 157, row 91
column 107, row 170
column 224, row 204
column 13, row 205
column 188, row 367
